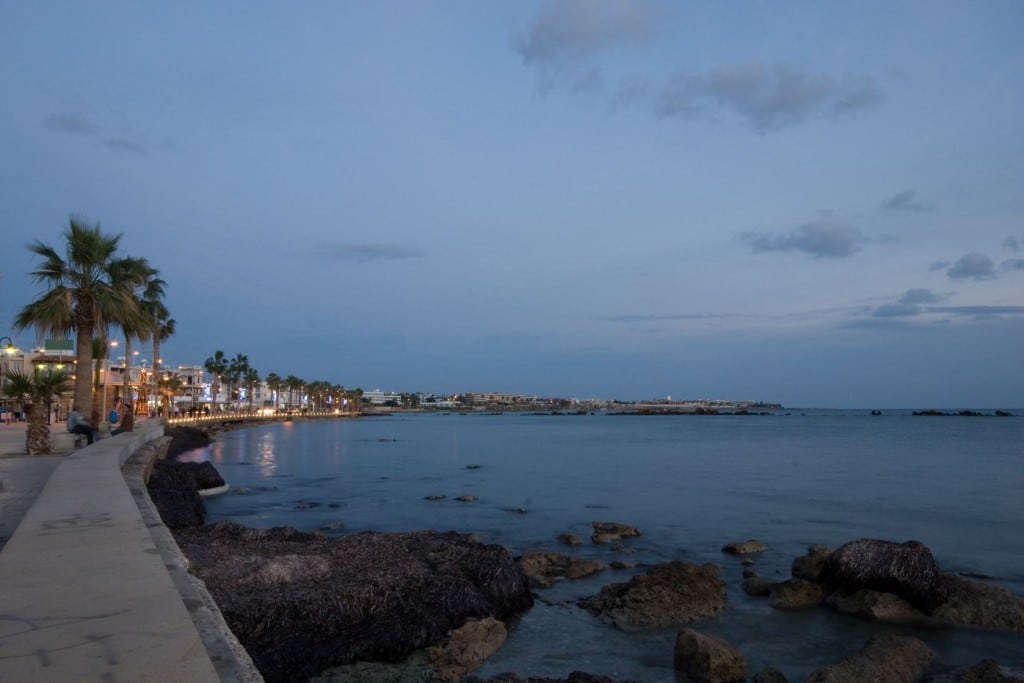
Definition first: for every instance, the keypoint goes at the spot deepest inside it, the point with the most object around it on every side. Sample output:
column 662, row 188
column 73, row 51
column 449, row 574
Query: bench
column 66, row 441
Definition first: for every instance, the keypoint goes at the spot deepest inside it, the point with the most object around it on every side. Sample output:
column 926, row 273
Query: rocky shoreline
column 431, row 606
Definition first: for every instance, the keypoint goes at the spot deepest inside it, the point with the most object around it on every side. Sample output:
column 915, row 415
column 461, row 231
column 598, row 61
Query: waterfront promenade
column 92, row 586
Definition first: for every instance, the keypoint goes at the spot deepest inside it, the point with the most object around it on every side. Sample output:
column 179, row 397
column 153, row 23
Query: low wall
column 84, row 590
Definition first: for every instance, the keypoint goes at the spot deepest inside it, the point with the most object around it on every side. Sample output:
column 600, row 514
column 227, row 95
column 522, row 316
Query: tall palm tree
column 81, row 297
column 37, row 389
column 274, row 383
column 142, row 282
column 216, row 365
column 251, row 380
column 294, row 384
column 163, row 329
column 237, row 368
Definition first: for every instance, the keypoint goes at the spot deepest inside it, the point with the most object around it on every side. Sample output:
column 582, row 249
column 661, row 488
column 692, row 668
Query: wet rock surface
column 907, row 570
column 544, row 567
column 889, row 658
column 669, row 594
column 701, row 657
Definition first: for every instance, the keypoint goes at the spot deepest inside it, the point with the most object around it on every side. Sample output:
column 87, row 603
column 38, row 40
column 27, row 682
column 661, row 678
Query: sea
column 690, row 483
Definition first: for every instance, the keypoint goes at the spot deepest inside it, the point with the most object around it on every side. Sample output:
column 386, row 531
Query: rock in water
column 905, row 569
column 544, row 567
column 706, row 658
column 608, row 532
column 744, row 547
column 670, row 594
column 301, row 603
column 889, row 658
column 467, row 648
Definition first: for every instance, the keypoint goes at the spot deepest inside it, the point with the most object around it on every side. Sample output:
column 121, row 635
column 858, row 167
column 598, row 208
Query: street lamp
column 10, row 350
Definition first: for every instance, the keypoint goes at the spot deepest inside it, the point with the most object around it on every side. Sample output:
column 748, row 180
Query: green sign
column 58, row 345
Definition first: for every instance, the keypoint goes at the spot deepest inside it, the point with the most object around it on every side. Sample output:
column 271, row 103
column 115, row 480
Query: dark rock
column 435, row 496
column 574, row 677
column 886, row 607
column 185, row 439
column 749, row 573
column 306, row 505
column 979, row 605
column 174, row 489
column 301, row 603
column 669, row 594
column 985, row 671
column 607, row 532
column 769, row 675
column 570, row 539
column 757, row 587
column 708, row 659
column 620, row 548
column 808, row 567
column 619, row 564
column 889, row 658
column 544, row 567
column 466, row 498
column 795, row 594
column 744, row 547
column 905, row 569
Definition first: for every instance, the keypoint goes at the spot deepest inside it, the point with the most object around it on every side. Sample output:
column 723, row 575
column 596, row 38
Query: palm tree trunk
column 83, row 369
column 37, row 432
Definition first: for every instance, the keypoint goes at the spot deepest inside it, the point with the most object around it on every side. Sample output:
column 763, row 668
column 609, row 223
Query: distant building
column 380, row 398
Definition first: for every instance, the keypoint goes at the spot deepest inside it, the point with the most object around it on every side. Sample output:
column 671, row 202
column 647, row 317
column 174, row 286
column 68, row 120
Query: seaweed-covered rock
column 174, row 490
column 301, row 603
column 669, row 594
column 185, row 438
column 889, row 658
column 905, row 569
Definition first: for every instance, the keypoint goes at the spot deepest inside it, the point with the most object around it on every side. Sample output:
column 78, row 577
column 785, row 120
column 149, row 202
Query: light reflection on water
column 690, row 484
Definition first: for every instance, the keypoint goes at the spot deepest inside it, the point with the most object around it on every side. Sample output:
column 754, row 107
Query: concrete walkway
column 85, row 594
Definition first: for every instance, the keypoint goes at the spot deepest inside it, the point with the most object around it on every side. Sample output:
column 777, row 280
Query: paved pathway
column 21, row 477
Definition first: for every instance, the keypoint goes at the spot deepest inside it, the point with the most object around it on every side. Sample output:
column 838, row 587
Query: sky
column 812, row 203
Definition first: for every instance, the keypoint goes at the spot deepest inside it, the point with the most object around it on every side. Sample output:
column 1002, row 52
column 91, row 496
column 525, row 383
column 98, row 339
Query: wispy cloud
column 657, row 317
column 368, row 253
column 904, row 201
column 770, row 97
column 70, row 122
column 824, row 238
column 1012, row 264
column 1012, row 242
column 125, row 145
column 571, row 29
column 921, row 296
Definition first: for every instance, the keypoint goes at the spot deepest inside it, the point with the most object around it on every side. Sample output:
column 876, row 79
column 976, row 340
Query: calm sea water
column 689, row 483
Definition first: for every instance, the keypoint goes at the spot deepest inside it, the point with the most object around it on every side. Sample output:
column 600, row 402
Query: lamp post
column 9, row 349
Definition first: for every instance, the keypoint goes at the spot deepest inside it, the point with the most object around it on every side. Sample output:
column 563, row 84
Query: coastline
column 837, row 541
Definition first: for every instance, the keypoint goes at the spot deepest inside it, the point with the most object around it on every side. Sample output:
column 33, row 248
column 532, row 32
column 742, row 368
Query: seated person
column 126, row 418
column 78, row 425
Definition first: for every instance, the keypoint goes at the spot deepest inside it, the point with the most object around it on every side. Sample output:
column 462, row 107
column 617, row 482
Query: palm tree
column 37, row 390
column 163, row 329
column 81, row 297
column 169, row 387
column 251, row 380
column 274, row 383
column 294, row 384
column 237, row 368
column 216, row 365
column 141, row 281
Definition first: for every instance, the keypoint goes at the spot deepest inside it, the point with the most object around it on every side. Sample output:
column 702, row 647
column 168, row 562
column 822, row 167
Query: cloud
column 899, row 309
column 904, row 201
column 125, row 145
column 571, row 29
column 769, row 97
column 979, row 312
column 368, row 253
column 821, row 239
column 921, row 296
column 1012, row 243
column 974, row 266
column 1012, row 264
column 71, row 123
column 939, row 265
column 643, row 318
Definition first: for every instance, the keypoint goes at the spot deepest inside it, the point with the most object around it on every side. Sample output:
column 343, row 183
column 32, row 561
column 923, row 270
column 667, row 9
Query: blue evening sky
column 818, row 203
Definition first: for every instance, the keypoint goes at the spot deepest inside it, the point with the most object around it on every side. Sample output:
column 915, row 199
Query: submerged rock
column 301, row 603
column 744, row 547
column 569, row 539
column 889, row 658
column 544, row 567
column 795, row 594
column 607, row 532
column 669, row 594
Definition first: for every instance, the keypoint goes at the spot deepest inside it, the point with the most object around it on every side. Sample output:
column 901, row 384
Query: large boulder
column 905, row 569
column 544, row 567
column 301, row 603
column 185, row 438
column 174, row 490
column 979, row 605
column 669, row 594
column 706, row 659
column 889, row 658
